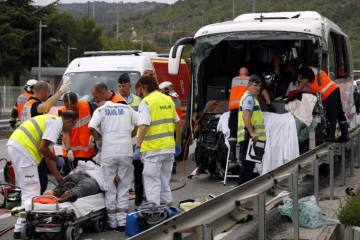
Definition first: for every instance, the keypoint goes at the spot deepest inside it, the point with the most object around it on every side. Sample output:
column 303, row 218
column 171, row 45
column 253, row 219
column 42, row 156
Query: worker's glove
column 60, row 162
column 98, row 143
column 13, row 124
column 271, row 108
column 178, row 149
column 67, row 86
column 59, row 183
column 70, row 155
column 91, row 142
column 137, row 153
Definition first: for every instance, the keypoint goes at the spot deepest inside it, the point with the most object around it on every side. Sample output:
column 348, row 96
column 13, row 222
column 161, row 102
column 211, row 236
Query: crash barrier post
column 227, row 209
column 352, row 156
column 5, row 123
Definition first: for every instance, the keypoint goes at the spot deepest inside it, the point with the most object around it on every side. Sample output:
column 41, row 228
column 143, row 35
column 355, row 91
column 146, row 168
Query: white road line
column 5, row 215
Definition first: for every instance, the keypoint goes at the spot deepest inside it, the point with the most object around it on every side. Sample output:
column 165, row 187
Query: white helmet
column 165, row 84
column 29, row 86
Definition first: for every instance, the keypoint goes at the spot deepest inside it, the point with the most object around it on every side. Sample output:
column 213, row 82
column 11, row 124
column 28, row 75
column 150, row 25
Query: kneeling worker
column 250, row 125
column 155, row 141
column 27, row 146
column 112, row 126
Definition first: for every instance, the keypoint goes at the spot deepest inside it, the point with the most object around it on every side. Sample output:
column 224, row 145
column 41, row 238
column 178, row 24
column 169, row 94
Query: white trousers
column 117, row 197
column 27, row 178
column 157, row 174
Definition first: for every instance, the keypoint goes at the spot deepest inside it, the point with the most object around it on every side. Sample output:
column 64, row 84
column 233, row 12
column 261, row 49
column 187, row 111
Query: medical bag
column 12, row 199
column 146, row 217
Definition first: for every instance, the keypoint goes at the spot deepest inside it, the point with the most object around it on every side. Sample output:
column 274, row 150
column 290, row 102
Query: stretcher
column 55, row 219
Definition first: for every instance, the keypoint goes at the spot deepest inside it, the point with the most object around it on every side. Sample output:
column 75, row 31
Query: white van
column 107, row 66
column 254, row 41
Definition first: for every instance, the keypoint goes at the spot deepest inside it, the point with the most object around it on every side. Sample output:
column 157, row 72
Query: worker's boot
column 139, row 194
column 330, row 135
column 344, row 133
column 232, row 143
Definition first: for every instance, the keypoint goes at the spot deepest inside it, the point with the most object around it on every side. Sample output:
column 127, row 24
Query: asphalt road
column 197, row 187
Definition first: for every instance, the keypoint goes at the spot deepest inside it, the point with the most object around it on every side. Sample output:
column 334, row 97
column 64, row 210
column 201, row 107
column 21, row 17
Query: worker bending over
column 101, row 93
column 28, row 145
column 77, row 143
column 112, row 125
column 39, row 104
column 332, row 100
column 155, row 141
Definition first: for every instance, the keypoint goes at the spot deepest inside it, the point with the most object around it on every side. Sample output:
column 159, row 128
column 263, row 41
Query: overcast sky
column 45, row 2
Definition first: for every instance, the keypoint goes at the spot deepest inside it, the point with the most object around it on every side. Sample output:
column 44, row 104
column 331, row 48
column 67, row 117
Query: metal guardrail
column 212, row 217
column 5, row 123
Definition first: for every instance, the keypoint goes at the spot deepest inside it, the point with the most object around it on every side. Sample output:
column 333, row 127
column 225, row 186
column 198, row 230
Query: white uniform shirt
column 115, row 121
column 145, row 118
column 53, row 128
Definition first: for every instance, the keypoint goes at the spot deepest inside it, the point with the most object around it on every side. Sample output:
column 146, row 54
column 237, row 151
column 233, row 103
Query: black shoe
column 121, row 229
column 330, row 135
column 17, row 235
column 173, row 170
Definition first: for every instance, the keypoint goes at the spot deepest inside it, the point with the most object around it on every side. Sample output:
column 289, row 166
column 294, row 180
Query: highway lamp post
column 68, row 53
column 142, row 42
column 254, row 6
column 202, row 18
column 233, row 9
column 39, row 69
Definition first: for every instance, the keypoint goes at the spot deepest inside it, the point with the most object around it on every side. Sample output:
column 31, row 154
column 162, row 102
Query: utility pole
column 202, row 18
column 117, row 25
column 68, row 56
column 254, row 6
column 88, row 9
column 233, row 9
column 39, row 69
column 94, row 10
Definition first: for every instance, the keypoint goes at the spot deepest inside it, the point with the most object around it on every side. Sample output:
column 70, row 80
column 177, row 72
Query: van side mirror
column 174, row 63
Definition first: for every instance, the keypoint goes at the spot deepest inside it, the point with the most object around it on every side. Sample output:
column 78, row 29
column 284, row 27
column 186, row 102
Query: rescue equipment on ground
column 147, row 216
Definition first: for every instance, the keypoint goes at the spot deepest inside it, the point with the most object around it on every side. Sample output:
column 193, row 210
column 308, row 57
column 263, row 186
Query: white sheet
column 82, row 206
column 282, row 142
column 303, row 109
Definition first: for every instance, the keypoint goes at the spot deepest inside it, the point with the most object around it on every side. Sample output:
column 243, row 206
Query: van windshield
column 84, row 81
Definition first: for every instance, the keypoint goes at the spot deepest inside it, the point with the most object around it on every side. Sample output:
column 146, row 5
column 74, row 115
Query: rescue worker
column 77, row 143
column 124, row 86
column 112, row 127
column 251, row 125
column 39, row 104
column 21, row 100
column 239, row 86
column 155, row 141
column 168, row 89
column 102, row 93
column 28, row 145
column 332, row 100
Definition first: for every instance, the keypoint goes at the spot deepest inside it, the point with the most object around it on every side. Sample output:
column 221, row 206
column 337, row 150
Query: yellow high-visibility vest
column 257, row 120
column 160, row 134
column 135, row 102
column 29, row 134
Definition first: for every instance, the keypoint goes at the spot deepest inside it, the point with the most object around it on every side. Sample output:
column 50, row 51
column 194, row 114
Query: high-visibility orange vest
column 80, row 134
column 117, row 98
column 239, row 85
column 327, row 85
column 26, row 112
column 20, row 102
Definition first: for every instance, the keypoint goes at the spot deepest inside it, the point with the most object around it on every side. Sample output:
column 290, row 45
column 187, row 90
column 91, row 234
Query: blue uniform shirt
column 248, row 103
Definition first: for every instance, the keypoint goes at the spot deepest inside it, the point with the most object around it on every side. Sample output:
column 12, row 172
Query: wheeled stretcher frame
column 63, row 222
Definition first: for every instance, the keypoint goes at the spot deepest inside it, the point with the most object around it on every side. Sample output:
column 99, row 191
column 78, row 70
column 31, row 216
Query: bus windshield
column 84, row 81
